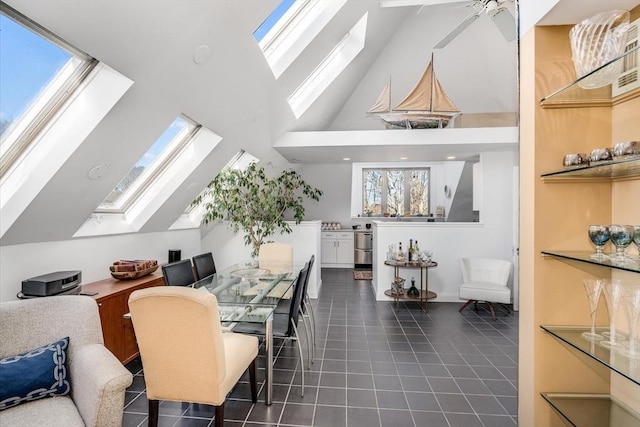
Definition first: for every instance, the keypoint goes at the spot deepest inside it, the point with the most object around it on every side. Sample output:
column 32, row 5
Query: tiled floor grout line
column 356, row 337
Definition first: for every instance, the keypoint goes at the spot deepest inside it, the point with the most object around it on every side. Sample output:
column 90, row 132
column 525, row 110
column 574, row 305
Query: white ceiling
column 235, row 95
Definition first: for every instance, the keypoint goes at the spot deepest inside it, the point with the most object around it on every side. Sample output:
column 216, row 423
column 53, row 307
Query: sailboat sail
column 383, row 103
column 426, row 105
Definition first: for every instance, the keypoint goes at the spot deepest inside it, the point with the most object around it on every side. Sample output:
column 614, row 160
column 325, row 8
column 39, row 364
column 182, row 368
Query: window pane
column 164, row 147
column 28, row 62
column 420, row 192
column 372, row 194
column 395, row 192
column 271, row 20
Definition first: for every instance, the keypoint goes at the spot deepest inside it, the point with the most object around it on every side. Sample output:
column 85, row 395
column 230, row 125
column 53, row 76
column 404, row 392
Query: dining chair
column 276, row 257
column 306, row 311
column 179, row 273
column 203, row 265
column 185, row 355
column 485, row 279
column 284, row 326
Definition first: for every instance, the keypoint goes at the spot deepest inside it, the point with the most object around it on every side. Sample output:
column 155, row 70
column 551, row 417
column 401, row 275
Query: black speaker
column 174, row 255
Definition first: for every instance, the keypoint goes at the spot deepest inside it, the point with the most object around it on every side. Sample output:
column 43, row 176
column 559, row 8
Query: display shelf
column 591, row 410
column 582, row 259
column 573, row 95
column 572, row 335
column 620, row 168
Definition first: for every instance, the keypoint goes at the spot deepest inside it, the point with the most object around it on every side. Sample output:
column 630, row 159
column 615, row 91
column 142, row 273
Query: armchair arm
column 98, row 384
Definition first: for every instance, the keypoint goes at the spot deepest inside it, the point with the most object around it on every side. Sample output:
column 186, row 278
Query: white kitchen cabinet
column 337, row 249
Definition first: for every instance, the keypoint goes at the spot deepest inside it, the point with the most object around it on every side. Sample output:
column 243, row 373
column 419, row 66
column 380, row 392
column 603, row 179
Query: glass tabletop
column 247, row 293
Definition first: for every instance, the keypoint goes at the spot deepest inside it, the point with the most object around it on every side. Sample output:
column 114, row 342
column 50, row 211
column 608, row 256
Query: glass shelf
column 591, row 410
column 624, row 167
column 574, row 95
column 572, row 335
column 584, row 257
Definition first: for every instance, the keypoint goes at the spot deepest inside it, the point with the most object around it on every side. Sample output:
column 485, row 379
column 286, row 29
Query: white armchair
column 485, row 279
column 98, row 380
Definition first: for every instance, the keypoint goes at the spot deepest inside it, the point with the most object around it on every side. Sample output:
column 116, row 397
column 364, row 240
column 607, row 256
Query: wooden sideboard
column 113, row 303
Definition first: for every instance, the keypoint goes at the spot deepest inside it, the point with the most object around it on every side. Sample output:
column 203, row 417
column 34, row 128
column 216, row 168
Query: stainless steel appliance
column 363, row 248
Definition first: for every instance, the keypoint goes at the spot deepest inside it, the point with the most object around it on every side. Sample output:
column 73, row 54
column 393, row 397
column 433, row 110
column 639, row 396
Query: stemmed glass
column 594, row 289
column 636, row 238
column 621, row 237
column 612, row 295
column 599, row 235
column 632, row 305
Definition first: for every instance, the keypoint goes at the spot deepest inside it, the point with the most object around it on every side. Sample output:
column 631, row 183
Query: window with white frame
column 291, row 27
column 329, row 68
column 39, row 72
column 395, row 191
column 152, row 164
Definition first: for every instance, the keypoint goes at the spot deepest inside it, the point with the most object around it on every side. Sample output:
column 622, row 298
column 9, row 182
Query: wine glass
column 594, row 289
column 636, row 238
column 631, row 300
column 599, row 235
column 621, row 237
column 613, row 296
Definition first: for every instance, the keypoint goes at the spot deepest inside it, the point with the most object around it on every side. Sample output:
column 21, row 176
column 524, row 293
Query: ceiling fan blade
column 399, row 3
column 457, row 30
column 506, row 23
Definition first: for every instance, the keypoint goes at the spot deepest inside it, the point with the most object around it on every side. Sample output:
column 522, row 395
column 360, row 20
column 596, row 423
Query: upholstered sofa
column 96, row 379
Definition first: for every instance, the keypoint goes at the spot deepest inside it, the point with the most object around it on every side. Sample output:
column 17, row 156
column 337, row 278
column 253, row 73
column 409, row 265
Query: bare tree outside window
column 419, row 192
column 396, row 192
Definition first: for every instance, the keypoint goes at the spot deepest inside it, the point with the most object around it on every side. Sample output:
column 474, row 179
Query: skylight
column 330, row 68
column 38, row 73
column 172, row 141
column 291, row 27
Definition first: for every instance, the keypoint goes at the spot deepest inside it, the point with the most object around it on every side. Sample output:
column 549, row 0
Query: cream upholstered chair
column 185, row 355
column 485, row 279
column 98, row 380
column 276, row 257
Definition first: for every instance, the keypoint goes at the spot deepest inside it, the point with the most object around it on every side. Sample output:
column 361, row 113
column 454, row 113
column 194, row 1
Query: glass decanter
column 621, row 237
column 594, row 289
column 599, row 235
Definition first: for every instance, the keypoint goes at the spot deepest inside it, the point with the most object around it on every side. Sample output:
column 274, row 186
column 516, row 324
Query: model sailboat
column 426, row 106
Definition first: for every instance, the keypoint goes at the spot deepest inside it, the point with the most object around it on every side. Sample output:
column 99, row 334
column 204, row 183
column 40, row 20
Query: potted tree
column 255, row 203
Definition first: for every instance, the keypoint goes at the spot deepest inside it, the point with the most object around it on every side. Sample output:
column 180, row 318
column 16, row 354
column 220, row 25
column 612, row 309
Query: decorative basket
column 596, row 41
column 129, row 270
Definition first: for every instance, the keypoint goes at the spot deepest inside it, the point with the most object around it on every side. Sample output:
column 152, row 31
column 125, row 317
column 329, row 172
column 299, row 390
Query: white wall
column 449, row 242
column 335, row 181
column 229, row 248
column 92, row 256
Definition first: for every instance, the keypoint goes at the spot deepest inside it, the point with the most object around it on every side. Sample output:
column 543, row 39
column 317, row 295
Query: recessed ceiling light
column 451, row 157
column 346, row 158
column 403, row 158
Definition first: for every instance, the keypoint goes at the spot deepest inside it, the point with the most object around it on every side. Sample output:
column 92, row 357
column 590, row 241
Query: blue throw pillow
column 34, row 375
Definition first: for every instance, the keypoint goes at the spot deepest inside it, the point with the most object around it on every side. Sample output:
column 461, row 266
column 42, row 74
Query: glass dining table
column 247, row 293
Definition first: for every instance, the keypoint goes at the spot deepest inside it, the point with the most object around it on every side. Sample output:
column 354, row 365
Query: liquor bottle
column 400, row 254
column 410, row 256
column 413, row 291
column 416, row 251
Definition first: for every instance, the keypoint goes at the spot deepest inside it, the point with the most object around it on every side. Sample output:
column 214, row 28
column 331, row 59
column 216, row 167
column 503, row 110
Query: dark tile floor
column 376, row 365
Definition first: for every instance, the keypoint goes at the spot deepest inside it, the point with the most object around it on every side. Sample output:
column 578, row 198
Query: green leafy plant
column 255, row 203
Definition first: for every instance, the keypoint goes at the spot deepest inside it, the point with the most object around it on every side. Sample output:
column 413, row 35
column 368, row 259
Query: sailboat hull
column 417, row 120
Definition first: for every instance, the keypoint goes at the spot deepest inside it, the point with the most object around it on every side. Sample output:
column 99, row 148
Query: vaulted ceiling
column 235, row 94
